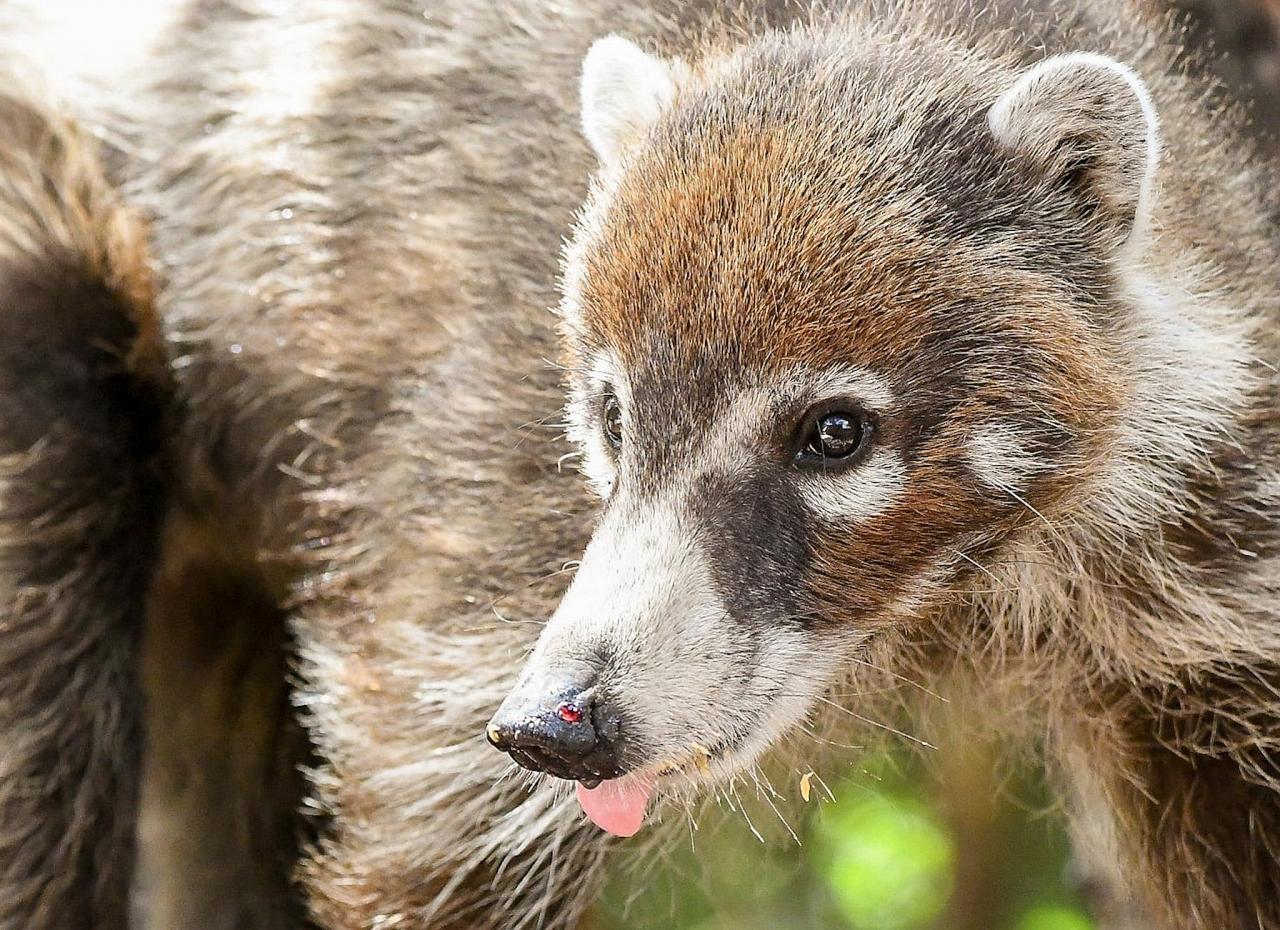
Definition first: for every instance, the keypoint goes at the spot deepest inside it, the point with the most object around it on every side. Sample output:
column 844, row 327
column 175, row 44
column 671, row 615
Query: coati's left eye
column 833, row 438
column 612, row 420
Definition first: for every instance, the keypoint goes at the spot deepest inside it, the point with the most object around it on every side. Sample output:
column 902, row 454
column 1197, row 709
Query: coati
column 901, row 339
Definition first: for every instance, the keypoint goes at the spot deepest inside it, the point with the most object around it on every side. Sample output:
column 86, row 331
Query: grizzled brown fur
column 83, row 385
column 311, row 446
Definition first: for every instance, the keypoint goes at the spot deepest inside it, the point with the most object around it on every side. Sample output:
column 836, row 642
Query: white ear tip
column 610, row 48
column 1000, row 115
column 612, row 65
column 623, row 89
column 1014, row 120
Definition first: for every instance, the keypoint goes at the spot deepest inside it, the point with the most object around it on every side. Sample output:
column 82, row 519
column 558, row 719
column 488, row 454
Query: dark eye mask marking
column 752, row 530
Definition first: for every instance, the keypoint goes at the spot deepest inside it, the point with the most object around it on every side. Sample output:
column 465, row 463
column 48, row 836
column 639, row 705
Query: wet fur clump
column 297, row 460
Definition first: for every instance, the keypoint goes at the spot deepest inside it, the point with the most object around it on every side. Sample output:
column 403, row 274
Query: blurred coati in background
column 1240, row 42
column 958, row 353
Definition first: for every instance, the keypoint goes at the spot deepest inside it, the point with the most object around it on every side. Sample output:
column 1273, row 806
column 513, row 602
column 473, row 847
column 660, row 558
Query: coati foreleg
column 1098, row 867
column 82, row 390
column 1192, row 776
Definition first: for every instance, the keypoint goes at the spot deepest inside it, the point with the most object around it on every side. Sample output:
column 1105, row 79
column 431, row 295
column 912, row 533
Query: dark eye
column 833, row 438
column 612, row 419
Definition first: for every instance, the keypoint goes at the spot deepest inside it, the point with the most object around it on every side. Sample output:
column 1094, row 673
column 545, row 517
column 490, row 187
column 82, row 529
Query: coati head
column 836, row 317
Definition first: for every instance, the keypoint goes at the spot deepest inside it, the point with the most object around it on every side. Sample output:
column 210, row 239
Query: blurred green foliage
column 874, row 851
column 1049, row 917
column 887, row 860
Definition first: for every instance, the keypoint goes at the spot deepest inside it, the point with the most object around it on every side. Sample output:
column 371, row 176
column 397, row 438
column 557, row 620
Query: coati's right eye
column 612, row 420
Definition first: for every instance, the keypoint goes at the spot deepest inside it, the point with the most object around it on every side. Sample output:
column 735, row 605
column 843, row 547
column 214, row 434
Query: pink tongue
column 617, row 806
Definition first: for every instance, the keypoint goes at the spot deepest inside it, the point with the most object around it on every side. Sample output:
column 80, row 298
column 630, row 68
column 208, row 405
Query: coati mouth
column 574, row 736
column 620, row 805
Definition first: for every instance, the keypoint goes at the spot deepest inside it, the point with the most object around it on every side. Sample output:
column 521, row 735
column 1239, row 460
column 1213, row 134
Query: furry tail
column 83, row 392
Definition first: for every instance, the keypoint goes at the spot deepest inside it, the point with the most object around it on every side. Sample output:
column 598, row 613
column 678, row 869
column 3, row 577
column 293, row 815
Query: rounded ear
column 623, row 91
column 1089, row 120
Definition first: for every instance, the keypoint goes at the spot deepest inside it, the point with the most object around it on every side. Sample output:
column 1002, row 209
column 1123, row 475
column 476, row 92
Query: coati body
column 275, row 370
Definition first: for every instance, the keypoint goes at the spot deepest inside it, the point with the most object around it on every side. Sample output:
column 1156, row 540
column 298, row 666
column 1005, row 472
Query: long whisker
column 902, row 678
column 883, row 726
column 756, row 774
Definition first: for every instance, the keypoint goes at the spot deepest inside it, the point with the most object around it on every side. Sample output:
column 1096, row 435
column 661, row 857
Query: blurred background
column 898, row 840
column 899, row 843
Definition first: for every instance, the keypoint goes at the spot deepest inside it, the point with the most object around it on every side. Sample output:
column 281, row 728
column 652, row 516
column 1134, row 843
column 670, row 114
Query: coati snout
column 563, row 730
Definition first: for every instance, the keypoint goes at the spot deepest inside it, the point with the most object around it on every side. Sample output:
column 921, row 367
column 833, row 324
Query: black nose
column 567, row 733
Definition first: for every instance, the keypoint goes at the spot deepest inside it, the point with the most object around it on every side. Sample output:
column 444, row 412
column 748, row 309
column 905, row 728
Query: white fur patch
column 1176, row 414
column 624, row 89
column 1018, row 116
column 76, row 45
column 868, row 388
column 857, row 494
column 999, row 459
column 292, row 76
column 639, row 569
